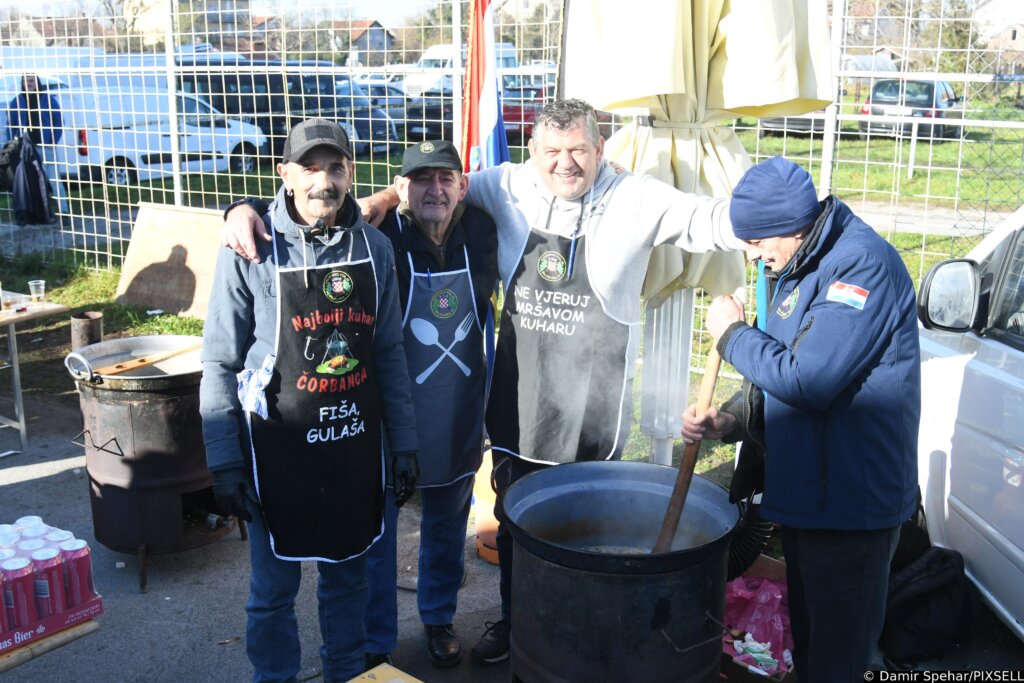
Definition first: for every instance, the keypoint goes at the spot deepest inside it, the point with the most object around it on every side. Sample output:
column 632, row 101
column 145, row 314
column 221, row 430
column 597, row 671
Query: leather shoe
column 442, row 644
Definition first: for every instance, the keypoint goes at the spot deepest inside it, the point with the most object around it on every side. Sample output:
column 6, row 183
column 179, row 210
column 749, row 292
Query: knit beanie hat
column 775, row 198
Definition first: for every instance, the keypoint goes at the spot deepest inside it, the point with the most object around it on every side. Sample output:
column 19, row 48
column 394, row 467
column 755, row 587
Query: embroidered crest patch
column 785, row 309
column 444, row 303
column 338, row 286
column 551, row 266
column 851, row 295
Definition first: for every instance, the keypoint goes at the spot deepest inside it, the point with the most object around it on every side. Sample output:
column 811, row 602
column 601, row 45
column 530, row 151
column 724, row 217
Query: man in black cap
column 829, row 411
column 446, row 255
column 304, row 375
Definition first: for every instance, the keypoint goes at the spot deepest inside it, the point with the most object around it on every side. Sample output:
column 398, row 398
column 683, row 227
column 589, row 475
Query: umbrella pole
column 686, row 467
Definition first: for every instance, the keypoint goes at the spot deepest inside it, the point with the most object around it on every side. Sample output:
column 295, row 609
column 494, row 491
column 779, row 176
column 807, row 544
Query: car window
column 886, row 90
column 1009, row 300
column 919, row 93
column 950, row 95
column 194, row 112
column 354, row 95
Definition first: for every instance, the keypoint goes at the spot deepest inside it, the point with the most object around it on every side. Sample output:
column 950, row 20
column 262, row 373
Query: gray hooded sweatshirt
column 624, row 218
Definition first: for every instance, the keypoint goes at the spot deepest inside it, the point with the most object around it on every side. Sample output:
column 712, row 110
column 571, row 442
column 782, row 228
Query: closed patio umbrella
column 694, row 66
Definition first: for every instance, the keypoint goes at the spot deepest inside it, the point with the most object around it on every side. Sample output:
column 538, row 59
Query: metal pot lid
column 88, row 362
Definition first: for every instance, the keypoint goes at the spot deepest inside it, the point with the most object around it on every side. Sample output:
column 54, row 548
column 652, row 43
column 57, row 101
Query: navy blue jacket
column 19, row 119
column 840, row 367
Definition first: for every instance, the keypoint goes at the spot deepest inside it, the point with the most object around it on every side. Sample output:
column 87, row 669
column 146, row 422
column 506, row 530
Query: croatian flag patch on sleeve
column 851, row 295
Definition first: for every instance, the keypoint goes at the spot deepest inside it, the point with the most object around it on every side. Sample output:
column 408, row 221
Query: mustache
column 329, row 193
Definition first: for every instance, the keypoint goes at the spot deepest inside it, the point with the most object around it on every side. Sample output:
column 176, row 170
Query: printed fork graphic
column 460, row 334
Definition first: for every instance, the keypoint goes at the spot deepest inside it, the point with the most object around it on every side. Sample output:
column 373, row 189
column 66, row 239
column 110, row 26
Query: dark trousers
column 837, row 583
column 504, row 473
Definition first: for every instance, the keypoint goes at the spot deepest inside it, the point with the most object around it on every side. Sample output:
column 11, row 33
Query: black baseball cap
column 315, row 133
column 430, row 154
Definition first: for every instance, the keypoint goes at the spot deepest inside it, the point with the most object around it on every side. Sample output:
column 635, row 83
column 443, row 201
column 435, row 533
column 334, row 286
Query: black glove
column 231, row 489
column 404, row 473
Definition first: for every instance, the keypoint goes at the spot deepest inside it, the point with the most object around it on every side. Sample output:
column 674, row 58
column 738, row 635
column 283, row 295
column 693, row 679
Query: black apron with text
column 559, row 382
column 444, row 350
column 318, row 457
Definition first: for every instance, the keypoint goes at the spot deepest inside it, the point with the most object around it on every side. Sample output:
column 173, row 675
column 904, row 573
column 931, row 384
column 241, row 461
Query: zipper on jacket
column 802, row 331
column 748, row 417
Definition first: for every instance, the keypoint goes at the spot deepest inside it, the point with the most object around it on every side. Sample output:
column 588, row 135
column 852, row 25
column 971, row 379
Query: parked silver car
column 971, row 449
column 928, row 104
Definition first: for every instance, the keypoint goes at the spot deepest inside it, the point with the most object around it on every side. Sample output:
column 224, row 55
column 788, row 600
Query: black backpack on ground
column 10, row 154
column 930, row 608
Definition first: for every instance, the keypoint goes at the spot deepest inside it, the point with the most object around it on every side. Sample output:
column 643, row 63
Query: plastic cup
column 37, row 290
column 14, row 303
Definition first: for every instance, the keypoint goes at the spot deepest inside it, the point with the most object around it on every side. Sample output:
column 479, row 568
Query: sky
column 388, row 12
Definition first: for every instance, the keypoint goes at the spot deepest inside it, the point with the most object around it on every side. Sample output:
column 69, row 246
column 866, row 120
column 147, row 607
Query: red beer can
column 49, row 575
column 19, row 591
column 28, row 520
column 78, row 570
column 58, row 536
column 9, row 540
column 34, row 531
column 26, row 548
column 5, row 626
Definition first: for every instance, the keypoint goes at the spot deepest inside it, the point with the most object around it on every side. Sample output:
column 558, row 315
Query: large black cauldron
column 589, row 601
column 149, row 485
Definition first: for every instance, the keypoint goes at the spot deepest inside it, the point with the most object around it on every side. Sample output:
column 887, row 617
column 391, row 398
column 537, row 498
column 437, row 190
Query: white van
column 432, row 73
column 125, row 137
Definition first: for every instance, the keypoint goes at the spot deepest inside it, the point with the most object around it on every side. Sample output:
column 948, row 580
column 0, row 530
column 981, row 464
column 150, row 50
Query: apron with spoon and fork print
column 445, row 353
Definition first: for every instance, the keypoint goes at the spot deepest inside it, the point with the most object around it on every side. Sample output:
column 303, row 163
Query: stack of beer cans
column 44, row 572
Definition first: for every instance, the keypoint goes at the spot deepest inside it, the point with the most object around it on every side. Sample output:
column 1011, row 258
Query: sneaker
column 493, row 644
column 443, row 646
column 374, row 659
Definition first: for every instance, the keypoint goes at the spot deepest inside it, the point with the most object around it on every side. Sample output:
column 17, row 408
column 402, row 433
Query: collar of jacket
column 349, row 216
column 818, row 240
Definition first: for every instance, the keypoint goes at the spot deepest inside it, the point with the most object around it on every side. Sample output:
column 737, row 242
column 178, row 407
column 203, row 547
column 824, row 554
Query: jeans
column 445, row 512
column 507, row 471
column 444, row 516
column 837, row 583
column 272, row 635
column 382, row 573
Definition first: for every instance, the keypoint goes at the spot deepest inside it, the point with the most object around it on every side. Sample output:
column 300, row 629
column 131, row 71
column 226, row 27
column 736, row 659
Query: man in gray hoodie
column 304, row 392
column 574, row 239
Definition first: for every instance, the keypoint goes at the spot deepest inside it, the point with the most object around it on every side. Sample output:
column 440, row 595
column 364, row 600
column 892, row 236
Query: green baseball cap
column 430, row 154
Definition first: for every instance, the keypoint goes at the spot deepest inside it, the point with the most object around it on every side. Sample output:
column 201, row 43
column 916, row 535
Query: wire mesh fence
column 188, row 103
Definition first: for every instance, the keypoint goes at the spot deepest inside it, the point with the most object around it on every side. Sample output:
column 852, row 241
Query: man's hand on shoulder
column 242, row 227
column 377, row 205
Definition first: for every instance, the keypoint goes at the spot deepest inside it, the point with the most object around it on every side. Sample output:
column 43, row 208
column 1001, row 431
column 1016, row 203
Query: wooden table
column 11, row 319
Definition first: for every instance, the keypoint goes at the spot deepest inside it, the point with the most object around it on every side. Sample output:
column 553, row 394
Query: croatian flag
column 851, row 295
column 483, row 131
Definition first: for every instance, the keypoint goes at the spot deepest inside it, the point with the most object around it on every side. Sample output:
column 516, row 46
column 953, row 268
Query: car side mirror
column 948, row 298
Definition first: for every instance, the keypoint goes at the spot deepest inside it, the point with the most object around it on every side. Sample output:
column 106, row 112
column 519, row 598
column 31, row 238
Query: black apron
column 560, row 373
column 318, row 457
column 444, row 350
